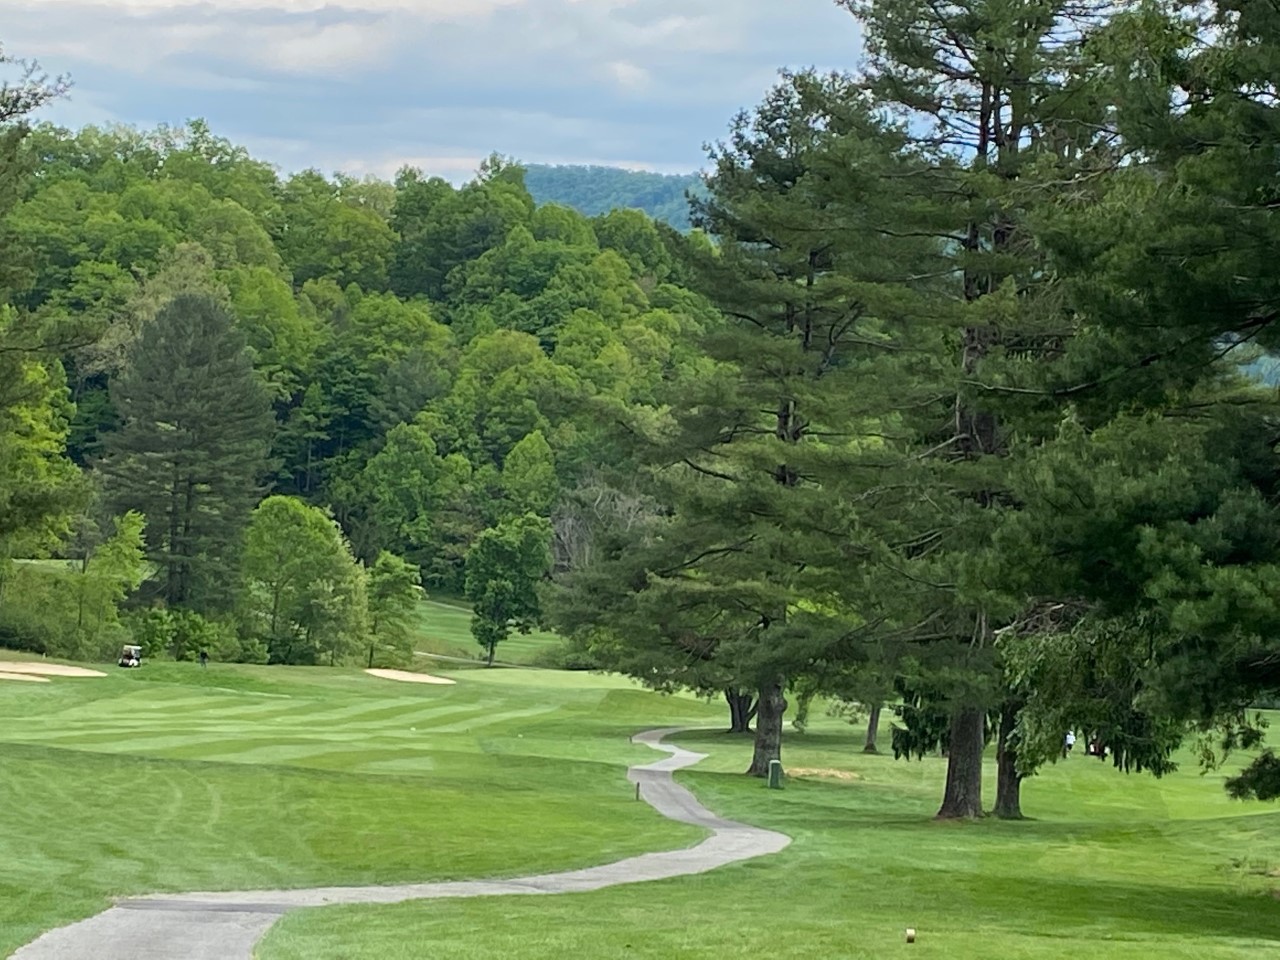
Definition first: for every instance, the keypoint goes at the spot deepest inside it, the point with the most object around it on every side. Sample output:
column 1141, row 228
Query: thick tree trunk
column 963, row 797
column 1008, row 780
column 769, row 710
column 873, row 730
column 742, row 710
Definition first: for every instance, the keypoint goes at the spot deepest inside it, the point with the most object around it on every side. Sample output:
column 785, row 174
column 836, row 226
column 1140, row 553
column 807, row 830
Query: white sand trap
column 407, row 677
column 48, row 670
column 23, row 676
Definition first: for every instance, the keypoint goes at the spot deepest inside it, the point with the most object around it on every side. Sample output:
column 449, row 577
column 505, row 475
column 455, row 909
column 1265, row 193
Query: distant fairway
column 171, row 778
column 443, row 627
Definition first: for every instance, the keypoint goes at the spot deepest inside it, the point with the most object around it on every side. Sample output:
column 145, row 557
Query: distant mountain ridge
column 593, row 190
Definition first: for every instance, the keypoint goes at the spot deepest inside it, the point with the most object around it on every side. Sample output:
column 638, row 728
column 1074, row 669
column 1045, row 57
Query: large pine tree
column 1001, row 100
column 741, row 584
column 192, row 448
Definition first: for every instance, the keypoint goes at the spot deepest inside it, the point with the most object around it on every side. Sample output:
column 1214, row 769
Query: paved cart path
column 225, row 926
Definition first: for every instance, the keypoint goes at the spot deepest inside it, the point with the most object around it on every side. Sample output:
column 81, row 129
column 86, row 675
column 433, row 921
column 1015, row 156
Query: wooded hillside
column 594, row 190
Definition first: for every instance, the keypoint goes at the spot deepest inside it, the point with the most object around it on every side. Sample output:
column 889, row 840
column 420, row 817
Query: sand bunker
column 823, row 773
column 48, row 670
column 23, row 676
column 407, row 677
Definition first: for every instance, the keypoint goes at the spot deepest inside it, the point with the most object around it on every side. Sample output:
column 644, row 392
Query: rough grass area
column 173, row 778
column 443, row 627
column 1112, row 867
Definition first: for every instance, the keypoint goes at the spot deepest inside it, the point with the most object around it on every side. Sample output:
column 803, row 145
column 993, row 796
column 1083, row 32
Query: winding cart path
column 225, row 926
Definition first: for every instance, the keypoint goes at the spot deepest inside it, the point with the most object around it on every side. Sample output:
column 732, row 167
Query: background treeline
column 267, row 408
column 594, row 190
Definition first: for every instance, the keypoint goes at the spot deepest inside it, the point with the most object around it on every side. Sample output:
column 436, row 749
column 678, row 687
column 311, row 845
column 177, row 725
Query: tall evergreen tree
column 1000, row 98
column 803, row 293
column 192, row 447
column 1165, row 523
column 734, row 588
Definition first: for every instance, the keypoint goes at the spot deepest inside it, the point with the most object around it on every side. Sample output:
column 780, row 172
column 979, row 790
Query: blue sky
column 366, row 86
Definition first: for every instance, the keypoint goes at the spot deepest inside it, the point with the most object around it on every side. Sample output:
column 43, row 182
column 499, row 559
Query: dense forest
column 593, row 190
column 409, row 374
column 942, row 408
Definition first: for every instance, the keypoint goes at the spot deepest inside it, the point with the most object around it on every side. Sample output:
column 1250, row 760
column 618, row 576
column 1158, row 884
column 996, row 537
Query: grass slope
column 171, row 778
column 443, row 627
column 1113, row 867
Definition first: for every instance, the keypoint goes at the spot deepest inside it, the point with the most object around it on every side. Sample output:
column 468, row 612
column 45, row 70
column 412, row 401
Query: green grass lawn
column 1110, row 867
column 443, row 627
column 171, row 778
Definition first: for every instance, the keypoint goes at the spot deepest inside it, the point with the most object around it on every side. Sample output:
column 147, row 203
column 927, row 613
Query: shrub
column 567, row 655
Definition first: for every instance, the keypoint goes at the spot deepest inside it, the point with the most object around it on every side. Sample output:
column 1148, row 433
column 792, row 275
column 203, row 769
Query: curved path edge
column 227, row 925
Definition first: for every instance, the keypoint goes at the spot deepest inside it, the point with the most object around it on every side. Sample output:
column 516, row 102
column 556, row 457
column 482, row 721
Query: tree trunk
column 963, row 797
column 171, row 553
column 873, row 730
column 1008, row 780
column 742, row 710
column 492, row 649
column 769, row 710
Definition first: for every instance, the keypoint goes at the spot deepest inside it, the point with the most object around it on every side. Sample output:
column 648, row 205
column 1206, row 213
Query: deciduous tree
column 504, row 567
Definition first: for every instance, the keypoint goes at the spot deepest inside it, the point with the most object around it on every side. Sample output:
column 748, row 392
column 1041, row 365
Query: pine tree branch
column 706, row 471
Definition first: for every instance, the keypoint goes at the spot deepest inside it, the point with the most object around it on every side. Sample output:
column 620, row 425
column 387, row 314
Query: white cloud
column 328, row 48
column 628, row 75
column 425, row 9
column 454, row 168
column 363, row 85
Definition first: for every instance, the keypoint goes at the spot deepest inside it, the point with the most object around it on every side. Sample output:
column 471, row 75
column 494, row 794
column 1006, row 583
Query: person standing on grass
column 1068, row 742
column 204, row 659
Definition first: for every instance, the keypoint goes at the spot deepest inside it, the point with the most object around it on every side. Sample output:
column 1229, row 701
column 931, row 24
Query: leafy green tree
column 506, row 388
column 38, row 485
column 191, row 450
column 103, row 578
column 283, row 339
column 399, row 493
column 416, row 198
column 20, row 98
column 528, row 481
column 563, row 225
column 373, row 348
column 324, row 236
column 443, row 229
column 637, row 238
column 302, row 591
column 394, row 593
column 504, row 567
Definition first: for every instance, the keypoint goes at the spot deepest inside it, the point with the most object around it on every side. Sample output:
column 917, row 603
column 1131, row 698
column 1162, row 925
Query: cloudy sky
column 365, row 86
